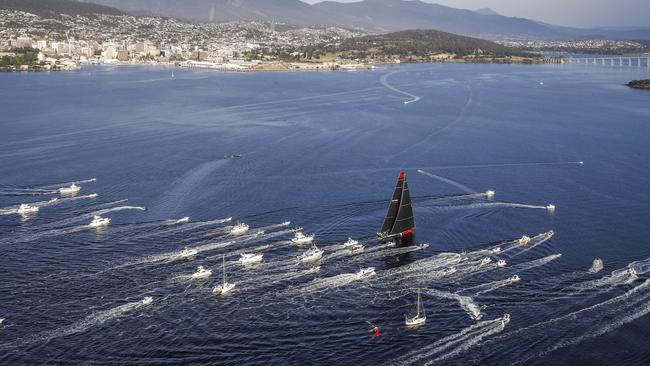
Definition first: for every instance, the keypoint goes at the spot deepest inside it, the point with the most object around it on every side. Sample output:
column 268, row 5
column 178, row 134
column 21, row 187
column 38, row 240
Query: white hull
column 223, row 289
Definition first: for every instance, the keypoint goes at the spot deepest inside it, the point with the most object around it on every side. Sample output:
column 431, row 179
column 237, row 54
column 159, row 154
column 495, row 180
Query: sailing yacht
column 399, row 221
column 225, row 286
column 419, row 318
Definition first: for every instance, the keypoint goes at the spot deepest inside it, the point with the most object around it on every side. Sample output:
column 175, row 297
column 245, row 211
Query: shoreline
column 283, row 67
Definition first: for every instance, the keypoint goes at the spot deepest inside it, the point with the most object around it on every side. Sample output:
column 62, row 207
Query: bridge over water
column 611, row 61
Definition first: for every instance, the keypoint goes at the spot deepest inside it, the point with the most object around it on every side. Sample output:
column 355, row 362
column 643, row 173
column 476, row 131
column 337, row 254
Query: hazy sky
column 581, row 13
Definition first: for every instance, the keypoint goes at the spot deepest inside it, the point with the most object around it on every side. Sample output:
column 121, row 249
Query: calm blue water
column 323, row 150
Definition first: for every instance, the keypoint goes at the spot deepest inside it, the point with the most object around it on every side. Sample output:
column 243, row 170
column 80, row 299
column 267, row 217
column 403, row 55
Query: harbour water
column 324, row 150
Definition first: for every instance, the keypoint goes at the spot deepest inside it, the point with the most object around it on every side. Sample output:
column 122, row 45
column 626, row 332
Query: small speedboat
column 301, row 238
column 99, row 221
column 183, row 220
column 259, row 232
column 239, row 229
column 350, row 242
column 505, row 319
column 286, row 223
column 314, row 269
column 366, row 272
column 147, row 300
column 250, row 258
column 311, row 255
column 486, row 261
column 632, row 272
column 515, row 278
column 550, row 208
column 201, row 273
column 70, row 190
column 501, row 263
column 189, row 253
column 490, row 194
column 419, row 318
column 524, row 240
column 423, row 246
column 496, row 250
column 2, row 321
column 449, row 271
column 225, row 286
column 27, row 209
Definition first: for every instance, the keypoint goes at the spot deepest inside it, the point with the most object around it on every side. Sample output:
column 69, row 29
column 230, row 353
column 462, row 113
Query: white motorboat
column 551, row 208
column 632, row 272
column 70, row 190
column 505, row 319
column 239, row 229
column 496, row 250
column 147, row 300
column 189, row 253
column 311, row 255
column 423, row 246
column 301, row 238
column 314, row 269
column 225, row 286
column 250, row 258
column 418, row 318
column 286, row 223
column 366, row 272
column 501, row 263
column 25, row 209
column 350, row 242
column 490, row 194
column 99, row 221
column 201, row 273
column 515, row 278
column 524, row 240
column 183, row 220
column 259, row 232
column 449, row 271
column 596, row 266
column 486, row 261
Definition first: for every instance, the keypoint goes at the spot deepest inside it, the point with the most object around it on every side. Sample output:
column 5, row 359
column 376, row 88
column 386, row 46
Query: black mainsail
column 399, row 219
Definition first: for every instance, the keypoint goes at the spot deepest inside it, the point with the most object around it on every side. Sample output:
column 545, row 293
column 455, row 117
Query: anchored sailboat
column 399, row 219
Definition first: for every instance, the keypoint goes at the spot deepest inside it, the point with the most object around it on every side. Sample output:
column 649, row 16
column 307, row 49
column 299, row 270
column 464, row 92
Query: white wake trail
column 384, row 82
column 465, row 302
column 458, row 185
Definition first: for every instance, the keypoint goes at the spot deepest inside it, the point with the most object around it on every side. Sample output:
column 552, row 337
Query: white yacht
column 515, row 278
column 301, row 238
column 501, row 263
column 496, row 250
column 313, row 254
column 366, row 272
column 250, row 258
column 147, row 300
column 314, row 269
column 70, row 190
column 99, row 221
column 449, row 271
column 524, row 240
column 239, row 229
column 353, row 245
column 505, row 319
column 418, row 318
column 189, row 253
column 551, row 208
column 201, row 273
column 490, row 194
column 632, row 272
column 27, row 209
column 350, row 242
column 486, row 261
column 225, row 286
column 286, row 223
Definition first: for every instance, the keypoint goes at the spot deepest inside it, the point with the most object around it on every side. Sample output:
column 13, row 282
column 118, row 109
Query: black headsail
column 399, row 218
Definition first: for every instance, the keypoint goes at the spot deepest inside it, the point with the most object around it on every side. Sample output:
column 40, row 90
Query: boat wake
column 384, row 82
column 452, row 345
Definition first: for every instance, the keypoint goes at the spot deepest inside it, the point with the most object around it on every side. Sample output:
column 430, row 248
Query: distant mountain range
column 54, row 8
column 375, row 16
